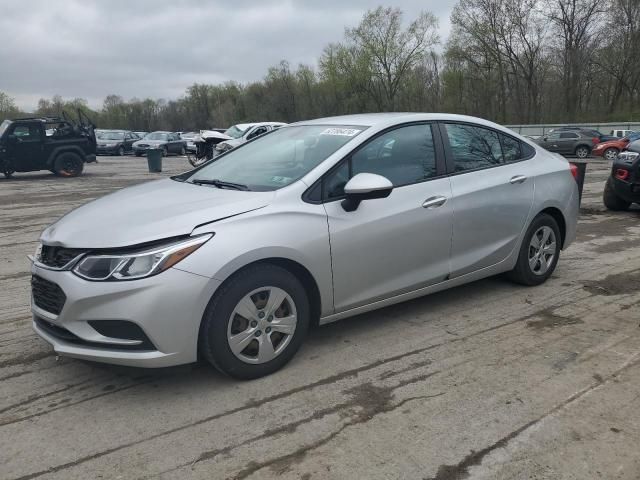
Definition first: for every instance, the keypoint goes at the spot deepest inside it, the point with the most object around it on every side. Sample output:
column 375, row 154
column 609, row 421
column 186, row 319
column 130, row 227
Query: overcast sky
column 157, row 48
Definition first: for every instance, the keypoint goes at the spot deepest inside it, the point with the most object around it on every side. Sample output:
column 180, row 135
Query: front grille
column 143, row 145
column 58, row 257
column 47, row 295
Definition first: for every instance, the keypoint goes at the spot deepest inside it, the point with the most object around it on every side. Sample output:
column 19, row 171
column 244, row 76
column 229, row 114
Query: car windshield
column 110, row 135
column 630, row 137
column 278, row 158
column 235, row 131
column 4, row 125
column 156, row 136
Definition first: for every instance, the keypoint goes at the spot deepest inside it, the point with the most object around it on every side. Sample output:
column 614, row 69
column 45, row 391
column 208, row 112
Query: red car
column 610, row 149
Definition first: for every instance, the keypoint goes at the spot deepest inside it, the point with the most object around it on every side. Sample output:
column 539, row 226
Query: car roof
column 391, row 118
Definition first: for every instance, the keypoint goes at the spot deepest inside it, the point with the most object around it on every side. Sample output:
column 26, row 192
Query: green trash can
column 154, row 159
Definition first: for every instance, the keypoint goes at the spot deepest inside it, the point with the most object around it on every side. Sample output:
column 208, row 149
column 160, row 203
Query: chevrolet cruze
column 311, row 223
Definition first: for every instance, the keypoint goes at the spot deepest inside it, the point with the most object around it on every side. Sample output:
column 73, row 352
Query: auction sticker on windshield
column 345, row 132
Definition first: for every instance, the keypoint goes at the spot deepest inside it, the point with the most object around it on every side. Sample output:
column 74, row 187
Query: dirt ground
column 486, row 381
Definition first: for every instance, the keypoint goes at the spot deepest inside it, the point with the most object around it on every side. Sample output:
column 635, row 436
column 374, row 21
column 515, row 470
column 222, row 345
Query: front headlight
column 110, row 145
column 131, row 266
column 37, row 256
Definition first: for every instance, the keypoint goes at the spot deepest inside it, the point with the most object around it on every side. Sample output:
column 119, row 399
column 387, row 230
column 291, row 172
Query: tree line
column 511, row 61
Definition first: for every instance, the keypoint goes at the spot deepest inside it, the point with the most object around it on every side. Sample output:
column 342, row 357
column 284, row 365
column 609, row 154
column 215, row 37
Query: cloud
column 157, row 48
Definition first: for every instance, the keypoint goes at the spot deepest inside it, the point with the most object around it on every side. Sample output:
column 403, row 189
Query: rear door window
column 473, row 147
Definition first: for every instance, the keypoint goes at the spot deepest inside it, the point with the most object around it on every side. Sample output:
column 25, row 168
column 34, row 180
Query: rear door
column 567, row 142
column 397, row 244
column 492, row 194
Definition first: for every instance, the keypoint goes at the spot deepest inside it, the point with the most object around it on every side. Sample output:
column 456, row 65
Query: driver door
column 26, row 147
column 397, row 244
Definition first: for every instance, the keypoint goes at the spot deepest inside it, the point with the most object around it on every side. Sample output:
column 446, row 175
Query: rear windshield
column 156, row 136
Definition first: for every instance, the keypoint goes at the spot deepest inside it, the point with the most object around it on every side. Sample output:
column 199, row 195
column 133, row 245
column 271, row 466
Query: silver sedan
column 311, row 223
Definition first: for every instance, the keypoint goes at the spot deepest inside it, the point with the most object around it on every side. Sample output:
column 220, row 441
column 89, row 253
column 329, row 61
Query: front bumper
column 167, row 307
column 107, row 150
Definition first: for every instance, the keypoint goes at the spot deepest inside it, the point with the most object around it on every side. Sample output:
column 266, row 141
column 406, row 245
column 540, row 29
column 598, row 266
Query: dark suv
column 49, row 143
column 623, row 186
column 576, row 143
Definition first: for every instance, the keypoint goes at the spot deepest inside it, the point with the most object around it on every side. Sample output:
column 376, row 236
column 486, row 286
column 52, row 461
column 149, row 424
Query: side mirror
column 365, row 186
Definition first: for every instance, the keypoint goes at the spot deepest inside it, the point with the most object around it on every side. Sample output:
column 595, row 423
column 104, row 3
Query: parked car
column 612, row 148
column 169, row 142
column 622, row 133
column 584, row 131
column 57, row 144
column 315, row 222
column 623, row 185
column 568, row 142
column 243, row 132
column 141, row 135
column 189, row 137
column 115, row 142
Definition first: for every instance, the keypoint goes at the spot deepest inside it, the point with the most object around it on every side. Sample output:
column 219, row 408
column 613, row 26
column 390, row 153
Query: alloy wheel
column 582, row 152
column 542, row 250
column 262, row 325
column 611, row 154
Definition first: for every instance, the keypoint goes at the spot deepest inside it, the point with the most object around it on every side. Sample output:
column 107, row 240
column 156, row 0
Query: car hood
column 619, row 143
column 150, row 142
column 151, row 211
column 234, row 142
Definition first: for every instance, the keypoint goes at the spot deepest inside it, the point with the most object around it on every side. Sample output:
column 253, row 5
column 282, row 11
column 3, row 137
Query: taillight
column 595, row 140
column 574, row 171
column 621, row 174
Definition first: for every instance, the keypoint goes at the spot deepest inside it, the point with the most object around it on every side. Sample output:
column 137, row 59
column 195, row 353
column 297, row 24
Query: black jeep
column 58, row 144
column 623, row 186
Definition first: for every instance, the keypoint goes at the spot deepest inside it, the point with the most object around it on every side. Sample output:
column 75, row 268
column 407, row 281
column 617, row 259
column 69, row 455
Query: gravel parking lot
column 489, row 380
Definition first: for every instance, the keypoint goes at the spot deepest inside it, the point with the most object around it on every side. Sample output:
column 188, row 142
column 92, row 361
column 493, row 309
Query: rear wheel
column 539, row 252
column 610, row 153
column 121, row 152
column 138, row 154
column 68, row 164
column 611, row 200
column 256, row 322
column 582, row 151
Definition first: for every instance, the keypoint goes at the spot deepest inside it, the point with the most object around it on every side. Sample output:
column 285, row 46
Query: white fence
column 606, row 128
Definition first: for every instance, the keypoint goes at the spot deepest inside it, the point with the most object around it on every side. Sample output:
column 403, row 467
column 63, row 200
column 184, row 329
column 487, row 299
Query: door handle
column 517, row 179
column 434, row 202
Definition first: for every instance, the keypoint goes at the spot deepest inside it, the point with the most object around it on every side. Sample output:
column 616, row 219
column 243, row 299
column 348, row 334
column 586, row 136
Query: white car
column 243, row 132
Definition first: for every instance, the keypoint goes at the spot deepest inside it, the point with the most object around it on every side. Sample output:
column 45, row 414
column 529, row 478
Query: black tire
column 183, row 151
column 523, row 273
column 8, row 174
column 213, row 343
column 68, row 164
column 165, row 151
column 610, row 153
column 121, row 152
column 138, row 154
column 582, row 151
column 611, row 200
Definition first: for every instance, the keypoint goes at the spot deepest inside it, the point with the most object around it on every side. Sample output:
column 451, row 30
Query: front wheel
column 582, row 152
column 611, row 200
column 68, row 164
column 610, row 153
column 256, row 322
column 165, row 151
column 121, row 152
column 539, row 252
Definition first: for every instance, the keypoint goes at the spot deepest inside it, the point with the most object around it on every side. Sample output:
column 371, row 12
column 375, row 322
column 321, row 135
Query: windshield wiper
column 220, row 184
